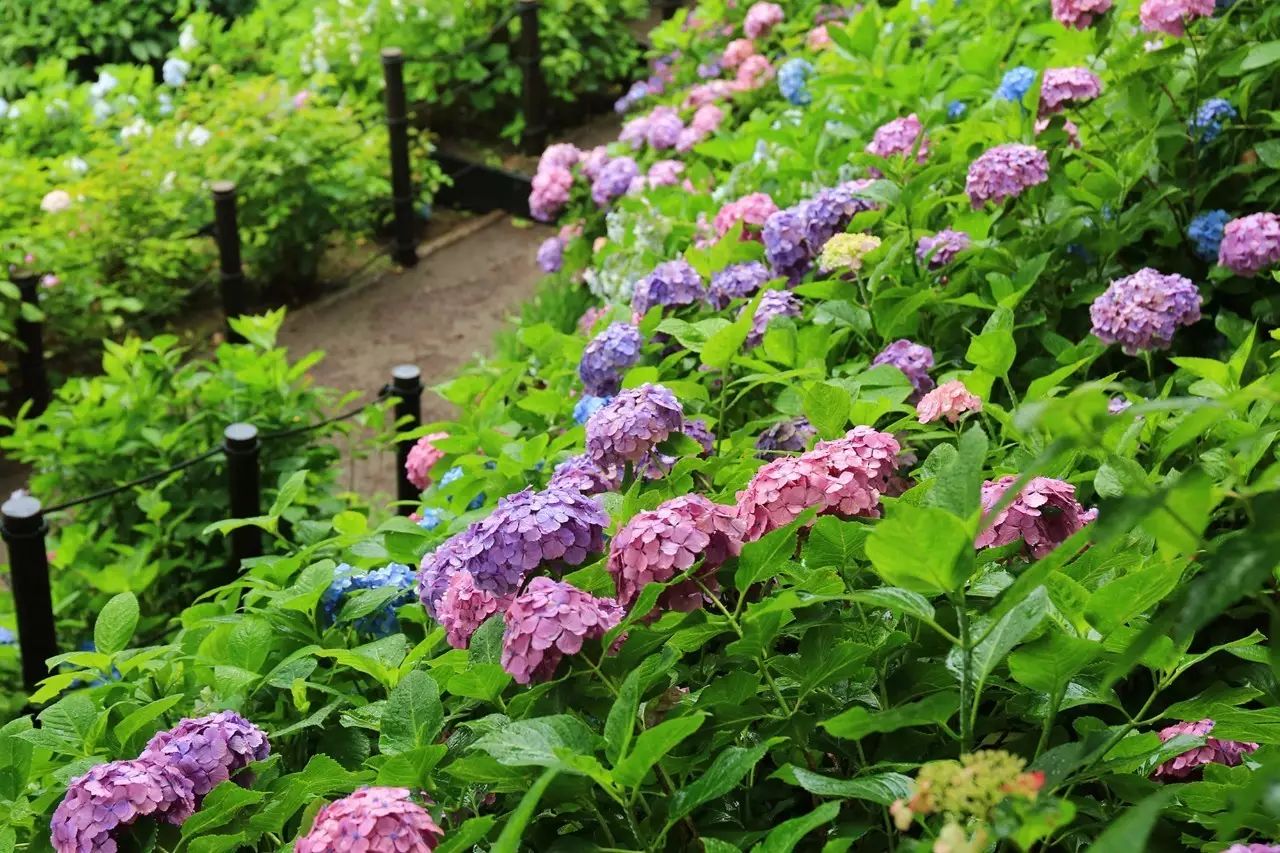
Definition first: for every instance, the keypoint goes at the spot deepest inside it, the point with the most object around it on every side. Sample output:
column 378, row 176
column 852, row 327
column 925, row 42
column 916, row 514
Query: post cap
column 240, row 436
column 392, row 54
column 406, row 373
column 223, row 187
column 20, row 506
column 21, row 517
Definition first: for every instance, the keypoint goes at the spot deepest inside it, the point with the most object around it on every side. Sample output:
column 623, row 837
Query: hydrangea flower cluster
column 1172, row 16
column 210, row 750
column 795, row 235
column 422, row 458
column 1214, row 751
column 949, row 400
column 612, row 180
column 588, row 406
column 550, row 255
column 942, row 248
column 606, row 357
column 753, row 73
column 1016, row 83
column 774, row 303
column 464, row 608
column 1005, row 172
column 1042, row 516
column 847, row 252
column 583, row 475
column 1206, row 125
column 1254, row 848
column 761, row 18
column 751, row 210
column 663, row 173
column 636, row 421
column 656, row 545
column 590, row 317
column 671, row 284
column 789, row 436
column 372, row 820
column 553, row 181
column 1142, row 311
column 549, row 620
column 1079, row 14
column 969, row 788
column 1067, row 86
column 1205, row 232
column 956, row 110
column 346, row 580
column 914, row 360
column 1250, row 244
column 736, row 281
column 115, row 795
column 737, row 52
column 705, row 121
column 793, row 78
column 901, row 137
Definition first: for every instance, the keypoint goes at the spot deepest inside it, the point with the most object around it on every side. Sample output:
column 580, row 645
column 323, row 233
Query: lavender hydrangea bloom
column 774, row 303
column 737, row 281
column 942, row 248
column 635, row 422
column 789, row 436
column 900, row 137
column 115, row 795
column 912, row 359
column 1205, row 232
column 588, row 406
column 638, row 92
column 607, row 356
column 1254, row 847
column 671, row 284
column 450, row 557
column 1005, row 172
column 785, row 246
column 1250, row 244
column 209, row 750
column 346, row 580
column 656, row 465
column 1214, row 751
column 549, row 620
column 663, row 129
column 551, row 255
column 1206, row 125
column 372, row 820
column 580, row 474
column 831, row 210
column 1016, row 83
column 1043, row 515
column 792, row 77
column 1117, row 405
column 1142, row 311
column 613, row 180
column 1063, row 86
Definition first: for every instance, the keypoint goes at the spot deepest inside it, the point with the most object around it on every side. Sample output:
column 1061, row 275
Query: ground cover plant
column 902, row 481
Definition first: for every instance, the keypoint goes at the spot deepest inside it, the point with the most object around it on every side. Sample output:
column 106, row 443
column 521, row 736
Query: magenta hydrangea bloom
column 1079, row 14
column 593, row 161
column 422, row 458
column 914, row 360
column 789, row 436
column 779, row 492
column 606, row 357
column 736, row 281
column 582, row 475
column 761, row 19
column 1005, row 172
column 705, row 120
column 550, row 192
column 774, row 303
column 528, row 529
column 1250, row 244
column 949, row 400
column 1253, row 848
column 464, row 607
column 665, row 173
column 942, row 248
column 1214, row 751
column 613, row 180
column 900, row 137
column 1043, row 515
column 549, row 620
column 860, row 468
column 671, row 284
column 372, row 820
column 1063, row 86
column 115, row 795
column 736, row 52
column 550, row 255
column 751, row 210
column 636, row 421
column 656, row 545
column 209, row 750
column 1172, row 16
column 1142, row 311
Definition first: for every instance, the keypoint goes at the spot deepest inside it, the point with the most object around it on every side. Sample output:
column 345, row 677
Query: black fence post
column 235, row 295
column 22, row 525
column 404, row 250
column 406, row 386
column 668, row 7
column 534, row 100
column 31, row 367
column 240, row 443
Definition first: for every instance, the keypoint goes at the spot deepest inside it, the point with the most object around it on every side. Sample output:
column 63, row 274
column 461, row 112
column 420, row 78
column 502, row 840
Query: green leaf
column 1130, row 831
column 998, row 640
column 784, row 837
column 897, row 600
column 1051, row 662
column 116, row 624
column 221, row 805
column 958, row 486
column 620, row 724
column 413, row 715
column 539, row 742
column 827, row 407
column 289, row 492
column 461, row 839
column 834, row 542
column 136, row 720
column 1261, row 55
column 763, row 558
column 513, row 833
column 894, row 548
column 858, row 722
column 882, row 788
column 728, row 769
column 653, row 745
column 994, row 349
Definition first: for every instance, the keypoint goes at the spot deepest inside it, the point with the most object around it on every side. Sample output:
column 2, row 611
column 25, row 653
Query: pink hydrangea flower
column 372, row 820
column 1214, row 751
column 761, row 19
column 656, row 545
column 860, row 468
column 590, row 317
column 949, row 400
column 1079, row 14
column 663, row 128
column 635, row 132
column 115, row 795
column 550, row 192
column 1063, row 86
column 708, row 93
column 1250, row 244
column 751, row 210
column 422, row 458
column 1005, row 172
column 464, row 608
column 704, row 123
column 818, row 38
column 1071, row 128
column 1043, row 515
column 1172, row 16
column 900, row 136
column 664, row 173
column 754, row 73
column 1143, row 311
column 736, row 52
column 549, row 620
column 209, row 750
column 1255, row 847
column 779, row 492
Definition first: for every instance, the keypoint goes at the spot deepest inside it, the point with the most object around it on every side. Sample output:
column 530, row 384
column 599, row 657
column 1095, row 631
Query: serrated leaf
column 413, row 715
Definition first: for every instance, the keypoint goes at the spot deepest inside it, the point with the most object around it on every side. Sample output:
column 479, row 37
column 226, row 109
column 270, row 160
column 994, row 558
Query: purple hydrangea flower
column 613, row 180
column 607, row 356
column 115, row 795
column 635, row 422
column 1143, row 310
column 549, row 620
column 942, row 248
column 451, row 556
column 562, row 155
column 1043, row 515
column 1005, row 172
column 1188, row 765
column 1250, row 244
column 551, row 255
column 912, row 359
column 671, row 284
column 1206, row 232
column 1063, row 86
column 372, row 820
column 464, row 607
column 789, row 436
column 663, row 128
column 785, row 246
column 900, row 137
column 774, row 303
column 580, row 474
column 1116, row 405
column 737, row 281
column 1253, row 848
column 209, row 750
column 831, row 210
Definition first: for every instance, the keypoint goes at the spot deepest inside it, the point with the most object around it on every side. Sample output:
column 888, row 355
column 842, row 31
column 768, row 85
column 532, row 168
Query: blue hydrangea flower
column 1205, row 232
column 956, row 110
column 1206, row 125
column 430, row 517
column 1016, row 83
column 346, row 580
column 174, row 71
column 588, row 406
column 791, row 81
column 7, row 637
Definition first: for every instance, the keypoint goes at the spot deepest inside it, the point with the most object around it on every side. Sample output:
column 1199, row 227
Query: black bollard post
column 668, row 7
column 235, row 292
column 405, row 246
column 240, row 443
column 534, row 100
column 406, row 385
column 30, row 334
column 23, row 528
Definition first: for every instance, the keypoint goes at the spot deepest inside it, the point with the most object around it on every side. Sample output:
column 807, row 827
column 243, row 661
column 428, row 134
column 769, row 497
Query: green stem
column 1050, row 716
column 966, row 658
